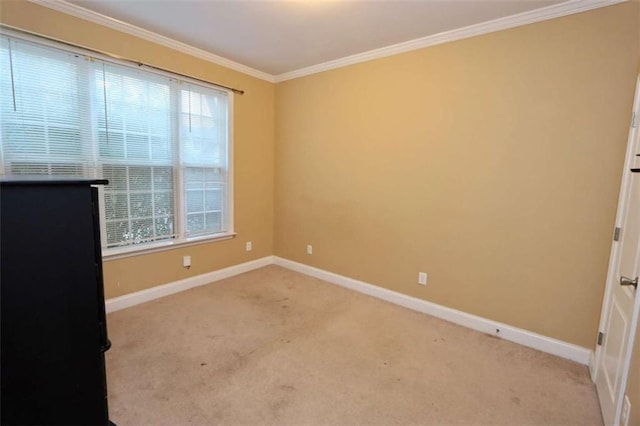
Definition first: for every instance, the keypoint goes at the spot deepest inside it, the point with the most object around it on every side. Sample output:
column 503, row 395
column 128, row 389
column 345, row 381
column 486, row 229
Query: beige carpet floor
column 276, row 347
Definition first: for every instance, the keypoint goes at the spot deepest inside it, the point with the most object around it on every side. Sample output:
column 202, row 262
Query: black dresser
column 53, row 325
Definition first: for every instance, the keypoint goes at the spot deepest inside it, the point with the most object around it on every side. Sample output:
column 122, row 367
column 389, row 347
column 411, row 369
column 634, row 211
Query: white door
column 620, row 309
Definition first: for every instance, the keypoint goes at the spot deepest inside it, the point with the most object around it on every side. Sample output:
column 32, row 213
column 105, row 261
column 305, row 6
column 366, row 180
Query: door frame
column 594, row 366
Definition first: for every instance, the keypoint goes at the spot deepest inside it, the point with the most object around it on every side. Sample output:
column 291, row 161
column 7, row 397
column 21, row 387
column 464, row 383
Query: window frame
column 179, row 199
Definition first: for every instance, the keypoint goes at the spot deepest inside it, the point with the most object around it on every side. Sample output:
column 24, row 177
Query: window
column 162, row 142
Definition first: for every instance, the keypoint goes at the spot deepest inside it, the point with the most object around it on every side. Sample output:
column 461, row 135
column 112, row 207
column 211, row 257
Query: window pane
column 50, row 169
column 137, row 146
column 116, row 205
column 203, row 126
column 117, row 176
column 213, row 222
column 41, row 99
column 142, row 230
column 164, row 226
column 111, row 145
column 141, row 205
column 29, row 169
column 62, row 114
column 24, row 140
column 117, row 232
column 195, row 223
column 64, row 142
column 139, row 178
column 195, row 202
column 213, row 200
column 135, row 111
column 163, row 204
column 162, row 178
column 194, row 177
column 143, row 195
column 160, row 148
column 204, row 200
column 214, row 174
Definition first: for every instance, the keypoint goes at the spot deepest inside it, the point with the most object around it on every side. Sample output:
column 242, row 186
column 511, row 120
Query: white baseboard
column 517, row 335
column 152, row 293
column 504, row 331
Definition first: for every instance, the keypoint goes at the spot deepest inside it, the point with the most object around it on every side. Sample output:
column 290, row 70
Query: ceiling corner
column 97, row 18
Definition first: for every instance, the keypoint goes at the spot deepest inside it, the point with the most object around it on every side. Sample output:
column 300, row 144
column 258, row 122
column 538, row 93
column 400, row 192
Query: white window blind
column 134, row 117
column 162, row 143
column 42, row 111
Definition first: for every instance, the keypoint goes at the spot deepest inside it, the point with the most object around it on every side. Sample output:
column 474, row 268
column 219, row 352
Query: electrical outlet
column 309, row 249
column 422, row 278
column 186, row 261
column 249, row 246
column 626, row 410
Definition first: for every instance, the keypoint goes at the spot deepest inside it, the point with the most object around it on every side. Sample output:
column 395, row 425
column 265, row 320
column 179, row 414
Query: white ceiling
column 280, row 37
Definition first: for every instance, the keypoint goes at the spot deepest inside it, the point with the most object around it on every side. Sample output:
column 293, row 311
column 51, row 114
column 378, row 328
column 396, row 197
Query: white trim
column 231, row 168
column 513, row 334
column 120, row 252
column 97, row 18
column 504, row 331
column 128, row 300
column 525, row 18
column 614, row 253
column 139, row 250
column 612, row 281
column 592, row 366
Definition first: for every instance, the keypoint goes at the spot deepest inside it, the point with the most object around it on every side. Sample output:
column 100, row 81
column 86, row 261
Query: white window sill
column 141, row 249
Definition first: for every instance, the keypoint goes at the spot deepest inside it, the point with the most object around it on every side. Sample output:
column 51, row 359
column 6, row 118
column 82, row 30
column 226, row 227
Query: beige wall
column 492, row 163
column 253, row 149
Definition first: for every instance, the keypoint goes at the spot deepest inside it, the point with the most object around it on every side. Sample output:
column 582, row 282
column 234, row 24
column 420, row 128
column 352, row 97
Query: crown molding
column 97, row 18
column 550, row 12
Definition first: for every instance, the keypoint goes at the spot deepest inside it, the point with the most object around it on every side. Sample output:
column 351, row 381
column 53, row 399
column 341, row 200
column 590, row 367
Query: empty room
column 320, row 212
